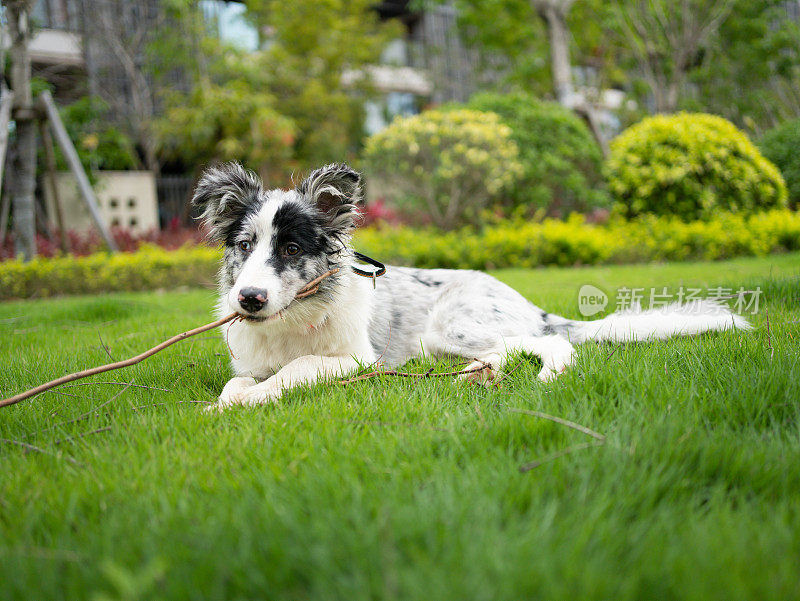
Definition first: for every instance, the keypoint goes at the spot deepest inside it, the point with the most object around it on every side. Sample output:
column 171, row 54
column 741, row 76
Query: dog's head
column 276, row 241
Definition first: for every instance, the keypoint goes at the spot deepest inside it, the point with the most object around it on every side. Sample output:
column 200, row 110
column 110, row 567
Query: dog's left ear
column 336, row 191
column 224, row 195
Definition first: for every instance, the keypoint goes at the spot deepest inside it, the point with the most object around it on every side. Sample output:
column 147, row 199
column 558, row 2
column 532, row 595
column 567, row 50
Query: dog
column 276, row 241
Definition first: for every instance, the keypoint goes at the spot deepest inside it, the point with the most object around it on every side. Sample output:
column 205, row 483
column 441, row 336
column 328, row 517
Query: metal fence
column 174, row 199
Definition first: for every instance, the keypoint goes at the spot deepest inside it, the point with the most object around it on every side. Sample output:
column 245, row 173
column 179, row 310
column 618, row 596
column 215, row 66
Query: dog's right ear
column 225, row 194
column 335, row 190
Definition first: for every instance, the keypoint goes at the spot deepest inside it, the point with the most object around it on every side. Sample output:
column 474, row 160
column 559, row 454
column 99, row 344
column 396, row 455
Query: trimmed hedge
column 149, row 268
column 574, row 242
column 691, row 166
column 509, row 244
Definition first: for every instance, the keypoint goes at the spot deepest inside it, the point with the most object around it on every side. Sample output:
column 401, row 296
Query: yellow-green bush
column 446, row 165
column 691, row 166
column 574, row 242
column 149, row 268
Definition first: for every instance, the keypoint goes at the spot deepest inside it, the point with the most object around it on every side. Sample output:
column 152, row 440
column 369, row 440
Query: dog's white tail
column 632, row 325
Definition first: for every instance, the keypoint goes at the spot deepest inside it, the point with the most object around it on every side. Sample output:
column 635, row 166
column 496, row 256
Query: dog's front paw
column 557, row 362
column 222, row 404
column 268, row 391
column 233, row 393
column 234, row 388
column 245, row 391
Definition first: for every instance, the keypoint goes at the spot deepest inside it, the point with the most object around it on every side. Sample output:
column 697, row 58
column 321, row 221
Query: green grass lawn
column 400, row 489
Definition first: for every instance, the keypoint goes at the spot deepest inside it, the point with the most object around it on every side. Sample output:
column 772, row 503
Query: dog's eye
column 245, row 246
column 292, row 249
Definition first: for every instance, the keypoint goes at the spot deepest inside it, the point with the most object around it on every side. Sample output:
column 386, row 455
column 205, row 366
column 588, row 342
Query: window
column 55, row 14
column 230, row 23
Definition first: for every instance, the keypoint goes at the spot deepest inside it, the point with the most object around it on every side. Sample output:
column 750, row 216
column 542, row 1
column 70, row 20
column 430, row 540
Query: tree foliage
column 561, row 160
column 230, row 122
column 282, row 108
column 782, row 146
column 666, row 40
column 309, row 47
column 100, row 144
column 513, row 41
column 750, row 72
column 736, row 58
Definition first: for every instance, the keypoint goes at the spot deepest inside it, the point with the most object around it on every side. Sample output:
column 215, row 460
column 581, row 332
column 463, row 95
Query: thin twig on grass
column 562, row 421
column 30, row 447
column 13, row 319
column 172, row 403
column 118, row 384
column 94, row 412
column 769, row 336
column 311, row 288
column 526, row 467
column 95, row 409
column 83, row 435
column 360, row 422
column 24, row 445
column 480, row 415
column 43, row 553
column 105, row 347
column 505, row 374
column 427, row 374
column 91, row 411
column 74, row 396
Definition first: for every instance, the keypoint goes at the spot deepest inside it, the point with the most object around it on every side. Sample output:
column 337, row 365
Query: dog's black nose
column 252, row 300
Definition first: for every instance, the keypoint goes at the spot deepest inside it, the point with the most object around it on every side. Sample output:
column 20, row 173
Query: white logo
column 591, row 300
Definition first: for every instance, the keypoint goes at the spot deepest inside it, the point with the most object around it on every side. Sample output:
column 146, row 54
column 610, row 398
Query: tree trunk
column 672, row 96
column 23, row 181
column 555, row 18
column 554, row 15
column 589, row 115
column 50, row 161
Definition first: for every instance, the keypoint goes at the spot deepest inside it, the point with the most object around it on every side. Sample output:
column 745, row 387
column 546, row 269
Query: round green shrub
column 690, row 166
column 562, row 162
column 781, row 145
column 443, row 167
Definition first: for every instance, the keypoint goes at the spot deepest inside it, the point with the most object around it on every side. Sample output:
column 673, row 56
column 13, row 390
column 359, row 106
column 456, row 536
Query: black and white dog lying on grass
column 276, row 241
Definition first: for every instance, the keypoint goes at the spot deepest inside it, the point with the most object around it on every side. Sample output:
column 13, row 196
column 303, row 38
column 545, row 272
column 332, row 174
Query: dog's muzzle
column 252, row 300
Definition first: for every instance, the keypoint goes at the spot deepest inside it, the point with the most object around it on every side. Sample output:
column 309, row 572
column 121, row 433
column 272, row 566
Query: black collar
column 381, row 268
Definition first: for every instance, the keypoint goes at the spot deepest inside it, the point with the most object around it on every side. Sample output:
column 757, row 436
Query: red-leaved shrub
column 86, row 243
